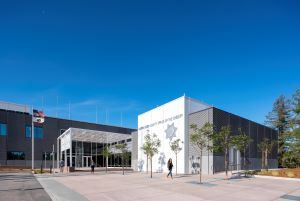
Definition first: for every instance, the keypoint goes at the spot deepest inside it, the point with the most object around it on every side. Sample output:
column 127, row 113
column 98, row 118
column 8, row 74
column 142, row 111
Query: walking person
column 170, row 167
column 92, row 166
column 61, row 166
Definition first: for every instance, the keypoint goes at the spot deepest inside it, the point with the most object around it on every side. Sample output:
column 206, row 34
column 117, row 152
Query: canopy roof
column 86, row 135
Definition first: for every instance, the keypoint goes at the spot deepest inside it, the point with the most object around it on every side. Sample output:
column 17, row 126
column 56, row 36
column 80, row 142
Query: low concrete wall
column 27, row 163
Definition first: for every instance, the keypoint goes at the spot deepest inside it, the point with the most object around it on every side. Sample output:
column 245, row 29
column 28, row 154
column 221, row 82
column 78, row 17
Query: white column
column 82, row 151
column 66, row 158
column 57, row 154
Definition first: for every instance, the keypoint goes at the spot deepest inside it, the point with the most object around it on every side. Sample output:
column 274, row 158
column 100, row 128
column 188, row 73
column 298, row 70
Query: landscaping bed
column 286, row 172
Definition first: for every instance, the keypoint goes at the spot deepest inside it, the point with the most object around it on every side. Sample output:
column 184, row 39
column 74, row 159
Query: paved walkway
column 21, row 186
column 136, row 186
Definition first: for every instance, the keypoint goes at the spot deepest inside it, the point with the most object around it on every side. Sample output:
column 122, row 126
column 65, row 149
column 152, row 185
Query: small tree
column 175, row 147
column 123, row 152
column 222, row 143
column 106, row 153
column 241, row 142
column 150, row 147
column 265, row 146
column 200, row 138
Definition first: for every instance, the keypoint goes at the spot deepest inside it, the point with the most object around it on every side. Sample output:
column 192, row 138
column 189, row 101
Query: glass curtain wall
column 84, row 152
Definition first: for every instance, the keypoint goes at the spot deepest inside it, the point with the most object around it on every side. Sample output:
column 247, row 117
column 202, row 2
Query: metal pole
column 53, row 156
column 45, row 158
column 32, row 142
column 66, row 163
column 71, row 154
column 56, row 106
column 69, row 110
column 57, row 154
column 96, row 114
column 96, row 154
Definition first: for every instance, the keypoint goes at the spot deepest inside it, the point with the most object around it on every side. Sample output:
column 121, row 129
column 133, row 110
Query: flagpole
column 32, row 141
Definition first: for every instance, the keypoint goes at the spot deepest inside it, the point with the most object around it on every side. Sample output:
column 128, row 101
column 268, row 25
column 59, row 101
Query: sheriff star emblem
column 171, row 131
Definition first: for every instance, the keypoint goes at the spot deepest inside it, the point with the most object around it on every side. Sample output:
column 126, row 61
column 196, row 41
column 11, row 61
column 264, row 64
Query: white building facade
column 169, row 122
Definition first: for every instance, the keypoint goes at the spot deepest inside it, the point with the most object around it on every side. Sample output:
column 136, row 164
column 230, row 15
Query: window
column 128, row 140
column 15, row 155
column 38, row 132
column 28, row 131
column 47, row 155
column 3, row 129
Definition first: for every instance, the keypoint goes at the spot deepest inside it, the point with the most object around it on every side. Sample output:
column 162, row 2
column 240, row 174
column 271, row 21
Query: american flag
column 38, row 116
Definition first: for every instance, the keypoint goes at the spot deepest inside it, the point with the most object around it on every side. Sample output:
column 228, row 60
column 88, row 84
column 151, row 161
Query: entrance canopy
column 85, row 135
column 82, row 146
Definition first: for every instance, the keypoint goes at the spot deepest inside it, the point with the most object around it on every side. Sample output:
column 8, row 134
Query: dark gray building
column 255, row 131
column 15, row 135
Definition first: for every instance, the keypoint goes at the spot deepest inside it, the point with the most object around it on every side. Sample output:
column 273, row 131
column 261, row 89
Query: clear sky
column 130, row 56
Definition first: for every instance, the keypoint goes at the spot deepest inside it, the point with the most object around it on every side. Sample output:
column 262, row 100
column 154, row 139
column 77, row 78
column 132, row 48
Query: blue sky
column 126, row 57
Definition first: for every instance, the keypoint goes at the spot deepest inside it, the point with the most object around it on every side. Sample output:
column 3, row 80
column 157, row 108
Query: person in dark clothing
column 92, row 167
column 170, row 167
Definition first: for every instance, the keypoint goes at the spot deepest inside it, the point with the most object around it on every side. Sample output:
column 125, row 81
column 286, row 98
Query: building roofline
column 184, row 96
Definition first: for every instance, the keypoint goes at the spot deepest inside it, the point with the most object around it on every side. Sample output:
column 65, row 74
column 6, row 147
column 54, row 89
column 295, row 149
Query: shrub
column 290, row 174
column 275, row 173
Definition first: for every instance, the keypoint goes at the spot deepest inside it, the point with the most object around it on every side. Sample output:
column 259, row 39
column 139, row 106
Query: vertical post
column 82, row 152
column 45, row 158
column 96, row 114
column 69, row 110
column 66, row 163
column 71, row 165
column 32, row 142
column 60, row 151
column 53, row 156
column 56, row 106
column 57, row 154
column 96, row 154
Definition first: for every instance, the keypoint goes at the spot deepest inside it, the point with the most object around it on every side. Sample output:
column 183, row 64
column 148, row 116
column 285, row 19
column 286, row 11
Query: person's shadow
column 161, row 161
column 140, row 165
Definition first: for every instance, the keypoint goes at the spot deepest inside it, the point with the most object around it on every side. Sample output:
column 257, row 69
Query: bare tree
column 123, row 152
column 150, row 147
column 176, row 148
column 265, row 146
column 200, row 138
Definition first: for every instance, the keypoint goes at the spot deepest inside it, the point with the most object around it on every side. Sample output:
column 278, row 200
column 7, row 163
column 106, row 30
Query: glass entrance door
column 86, row 161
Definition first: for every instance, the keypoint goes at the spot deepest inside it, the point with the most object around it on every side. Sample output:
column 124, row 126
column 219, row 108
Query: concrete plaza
column 138, row 186
column 18, row 186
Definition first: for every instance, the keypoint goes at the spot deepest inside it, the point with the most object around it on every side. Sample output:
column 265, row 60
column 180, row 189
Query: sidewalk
column 21, row 186
column 135, row 186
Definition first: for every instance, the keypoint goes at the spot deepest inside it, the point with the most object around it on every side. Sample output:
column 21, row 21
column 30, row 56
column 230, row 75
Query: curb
column 278, row 178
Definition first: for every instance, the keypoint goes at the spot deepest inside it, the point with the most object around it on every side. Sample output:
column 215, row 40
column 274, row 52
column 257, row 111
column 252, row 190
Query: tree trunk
column 151, row 165
column 262, row 159
column 266, row 160
column 201, row 166
column 244, row 159
column 106, row 162
column 226, row 162
column 176, row 164
column 123, row 164
column 147, row 165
